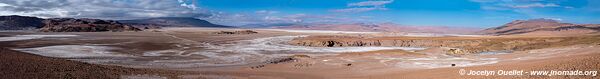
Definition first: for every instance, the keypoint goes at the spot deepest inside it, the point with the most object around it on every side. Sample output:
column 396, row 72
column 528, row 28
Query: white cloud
column 365, row 6
column 138, row 9
column 493, row 8
column 371, row 3
column 516, row 4
column 253, row 18
column 556, row 19
column 522, row 8
column 266, row 12
column 3, row 4
column 188, row 4
column 193, row 7
column 102, row 9
column 294, row 18
column 360, row 9
column 534, row 5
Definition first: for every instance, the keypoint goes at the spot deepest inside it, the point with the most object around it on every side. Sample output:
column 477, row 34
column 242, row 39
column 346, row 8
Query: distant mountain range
column 541, row 27
column 16, row 22
column 172, row 22
column 84, row 25
column 267, row 25
column 381, row 27
column 524, row 27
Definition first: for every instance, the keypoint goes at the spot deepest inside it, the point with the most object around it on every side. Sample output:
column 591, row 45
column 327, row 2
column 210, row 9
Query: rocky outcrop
column 146, row 26
column 536, row 25
column 456, row 51
column 237, row 32
column 463, row 44
column 15, row 22
column 84, row 25
column 337, row 41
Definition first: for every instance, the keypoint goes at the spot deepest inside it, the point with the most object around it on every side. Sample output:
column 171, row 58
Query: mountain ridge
column 380, row 27
column 16, row 22
column 173, row 22
column 532, row 26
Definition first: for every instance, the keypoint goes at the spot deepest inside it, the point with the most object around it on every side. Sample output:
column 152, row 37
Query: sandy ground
column 20, row 65
column 198, row 53
column 363, row 67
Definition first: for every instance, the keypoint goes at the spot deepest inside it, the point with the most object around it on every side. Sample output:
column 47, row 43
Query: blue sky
column 455, row 13
column 461, row 13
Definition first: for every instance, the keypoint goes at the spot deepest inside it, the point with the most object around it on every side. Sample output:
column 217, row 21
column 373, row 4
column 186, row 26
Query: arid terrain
column 286, row 54
column 299, row 39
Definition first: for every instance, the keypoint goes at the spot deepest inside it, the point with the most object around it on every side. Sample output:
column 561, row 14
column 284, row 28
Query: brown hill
column 173, row 22
column 84, row 25
column 541, row 27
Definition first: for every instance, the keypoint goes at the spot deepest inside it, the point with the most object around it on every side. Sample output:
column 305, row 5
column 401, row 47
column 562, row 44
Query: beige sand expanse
column 200, row 53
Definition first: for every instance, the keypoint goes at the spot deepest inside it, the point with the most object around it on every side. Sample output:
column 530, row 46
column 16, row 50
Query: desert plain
column 187, row 52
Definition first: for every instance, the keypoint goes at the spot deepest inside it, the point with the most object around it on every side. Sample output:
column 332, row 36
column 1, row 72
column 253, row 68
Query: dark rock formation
column 15, row 22
column 145, row 26
column 84, row 25
column 173, row 22
column 62, row 24
column 237, row 32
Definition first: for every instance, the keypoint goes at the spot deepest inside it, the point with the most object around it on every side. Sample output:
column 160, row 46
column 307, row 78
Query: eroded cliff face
column 465, row 44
